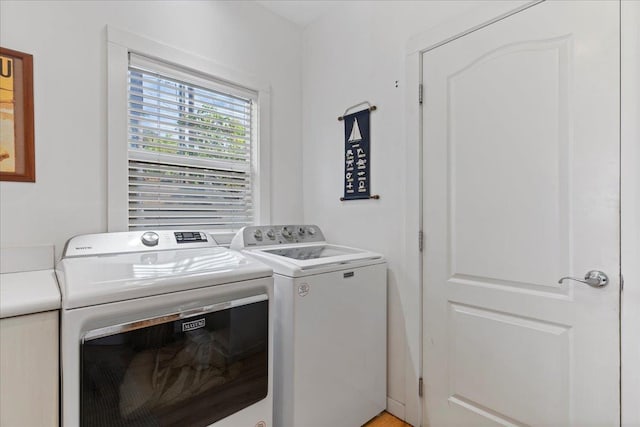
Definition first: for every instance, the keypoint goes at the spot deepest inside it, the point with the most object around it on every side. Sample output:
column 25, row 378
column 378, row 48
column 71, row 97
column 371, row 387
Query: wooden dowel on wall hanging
column 367, row 103
column 375, row 196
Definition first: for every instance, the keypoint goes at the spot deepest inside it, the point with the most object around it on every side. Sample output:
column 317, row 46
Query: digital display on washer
column 311, row 252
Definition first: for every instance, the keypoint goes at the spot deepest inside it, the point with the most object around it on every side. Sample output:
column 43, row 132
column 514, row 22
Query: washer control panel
column 267, row 235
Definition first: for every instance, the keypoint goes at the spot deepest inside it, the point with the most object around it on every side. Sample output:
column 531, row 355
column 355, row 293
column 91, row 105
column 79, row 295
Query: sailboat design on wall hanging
column 355, row 136
column 357, row 180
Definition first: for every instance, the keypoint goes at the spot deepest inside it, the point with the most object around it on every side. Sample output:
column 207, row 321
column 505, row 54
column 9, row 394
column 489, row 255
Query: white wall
column 351, row 55
column 68, row 42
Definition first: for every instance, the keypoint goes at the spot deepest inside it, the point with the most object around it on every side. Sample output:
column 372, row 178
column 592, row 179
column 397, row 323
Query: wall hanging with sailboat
column 357, row 159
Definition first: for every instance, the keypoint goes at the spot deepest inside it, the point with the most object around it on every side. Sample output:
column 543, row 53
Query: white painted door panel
column 521, row 187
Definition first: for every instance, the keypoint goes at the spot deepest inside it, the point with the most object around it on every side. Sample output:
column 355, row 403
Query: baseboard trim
column 395, row 408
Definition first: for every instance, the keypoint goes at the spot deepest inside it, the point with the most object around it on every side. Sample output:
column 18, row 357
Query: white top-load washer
column 164, row 328
column 331, row 322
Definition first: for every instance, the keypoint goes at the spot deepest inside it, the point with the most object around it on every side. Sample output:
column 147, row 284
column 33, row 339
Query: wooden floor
column 386, row 420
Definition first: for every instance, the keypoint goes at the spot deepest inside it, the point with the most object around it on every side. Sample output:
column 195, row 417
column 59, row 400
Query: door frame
column 630, row 211
column 453, row 29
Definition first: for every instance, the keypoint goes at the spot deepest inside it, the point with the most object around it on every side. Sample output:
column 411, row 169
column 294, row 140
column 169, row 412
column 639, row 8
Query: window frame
column 119, row 45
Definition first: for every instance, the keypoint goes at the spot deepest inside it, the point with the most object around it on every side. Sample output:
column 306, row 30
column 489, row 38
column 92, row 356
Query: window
column 186, row 149
column 189, row 149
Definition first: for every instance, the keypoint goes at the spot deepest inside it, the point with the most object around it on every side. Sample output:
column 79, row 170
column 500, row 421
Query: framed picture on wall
column 17, row 156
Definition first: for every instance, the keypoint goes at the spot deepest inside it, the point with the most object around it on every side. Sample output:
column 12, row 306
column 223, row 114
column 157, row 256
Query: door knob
column 593, row 278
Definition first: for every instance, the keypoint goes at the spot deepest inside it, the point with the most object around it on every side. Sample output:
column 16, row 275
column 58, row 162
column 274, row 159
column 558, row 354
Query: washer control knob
column 286, row 233
column 257, row 234
column 311, row 231
column 150, row 238
column 301, row 231
column 271, row 234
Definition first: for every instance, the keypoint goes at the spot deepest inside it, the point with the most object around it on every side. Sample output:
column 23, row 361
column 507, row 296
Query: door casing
column 458, row 27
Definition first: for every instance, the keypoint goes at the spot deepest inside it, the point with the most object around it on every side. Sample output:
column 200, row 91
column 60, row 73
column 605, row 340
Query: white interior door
column 521, row 187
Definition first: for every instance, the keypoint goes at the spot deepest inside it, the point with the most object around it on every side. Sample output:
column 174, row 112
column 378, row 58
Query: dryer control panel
column 136, row 241
column 268, row 235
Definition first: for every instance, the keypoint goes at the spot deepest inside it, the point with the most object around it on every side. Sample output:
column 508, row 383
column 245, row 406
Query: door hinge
column 621, row 282
column 420, row 240
column 420, row 94
column 420, row 385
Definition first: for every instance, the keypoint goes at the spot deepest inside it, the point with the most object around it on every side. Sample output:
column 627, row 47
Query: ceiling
column 300, row 12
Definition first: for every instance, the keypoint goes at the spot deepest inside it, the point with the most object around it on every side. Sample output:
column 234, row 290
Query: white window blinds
column 189, row 149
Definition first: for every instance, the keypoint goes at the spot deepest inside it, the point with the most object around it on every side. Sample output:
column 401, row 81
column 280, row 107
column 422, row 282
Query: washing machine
column 331, row 323
column 164, row 328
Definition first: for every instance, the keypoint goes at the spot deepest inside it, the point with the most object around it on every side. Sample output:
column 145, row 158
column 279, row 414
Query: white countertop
column 28, row 292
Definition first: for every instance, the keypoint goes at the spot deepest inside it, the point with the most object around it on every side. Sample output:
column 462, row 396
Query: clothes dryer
column 164, row 328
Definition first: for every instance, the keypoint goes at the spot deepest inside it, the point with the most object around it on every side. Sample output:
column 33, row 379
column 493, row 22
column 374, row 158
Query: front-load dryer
column 164, row 329
column 331, row 323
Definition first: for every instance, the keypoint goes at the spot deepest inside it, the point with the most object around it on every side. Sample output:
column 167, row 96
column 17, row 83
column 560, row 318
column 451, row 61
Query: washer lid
column 104, row 278
column 307, row 259
column 302, row 253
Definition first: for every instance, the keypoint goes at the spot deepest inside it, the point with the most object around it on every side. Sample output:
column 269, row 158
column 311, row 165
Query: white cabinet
column 29, row 375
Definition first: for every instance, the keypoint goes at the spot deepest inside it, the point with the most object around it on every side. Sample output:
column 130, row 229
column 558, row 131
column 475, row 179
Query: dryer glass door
column 176, row 369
